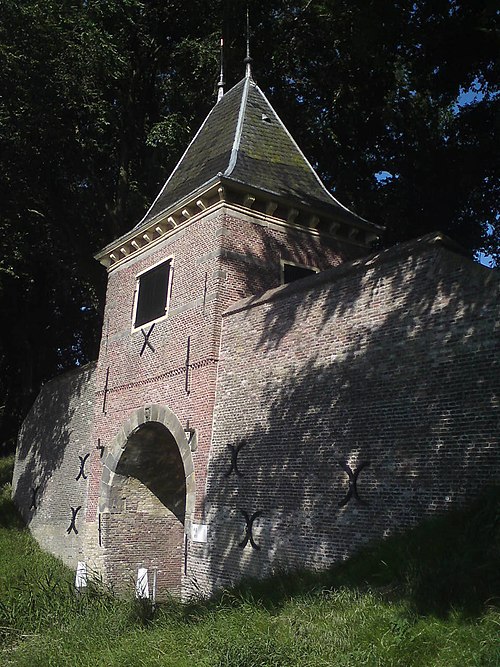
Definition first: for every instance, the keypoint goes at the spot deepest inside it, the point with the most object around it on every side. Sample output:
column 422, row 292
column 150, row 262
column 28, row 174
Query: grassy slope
column 426, row 598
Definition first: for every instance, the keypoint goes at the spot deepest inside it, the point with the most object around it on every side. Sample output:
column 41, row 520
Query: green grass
column 422, row 599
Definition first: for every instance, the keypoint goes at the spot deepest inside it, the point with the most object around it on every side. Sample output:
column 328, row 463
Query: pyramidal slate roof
column 243, row 141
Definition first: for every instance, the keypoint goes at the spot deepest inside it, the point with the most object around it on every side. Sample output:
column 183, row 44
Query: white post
column 81, row 576
column 153, row 592
column 142, row 586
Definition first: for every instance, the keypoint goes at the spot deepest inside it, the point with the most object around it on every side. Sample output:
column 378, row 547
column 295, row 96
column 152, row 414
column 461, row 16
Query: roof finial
column 220, row 85
column 248, row 61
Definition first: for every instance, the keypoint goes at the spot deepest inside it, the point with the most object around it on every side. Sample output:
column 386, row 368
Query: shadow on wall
column 254, row 263
column 45, row 436
column 353, row 408
column 446, row 564
column 153, row 457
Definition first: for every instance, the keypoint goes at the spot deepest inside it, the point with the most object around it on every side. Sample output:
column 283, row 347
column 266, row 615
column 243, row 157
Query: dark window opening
column 292, row 272
column 153, row 294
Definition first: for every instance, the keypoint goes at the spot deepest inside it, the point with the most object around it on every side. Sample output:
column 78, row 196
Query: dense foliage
column 394, row 102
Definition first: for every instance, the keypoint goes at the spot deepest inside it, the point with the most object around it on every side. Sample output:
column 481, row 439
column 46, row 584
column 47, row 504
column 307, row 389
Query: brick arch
column 145, row 415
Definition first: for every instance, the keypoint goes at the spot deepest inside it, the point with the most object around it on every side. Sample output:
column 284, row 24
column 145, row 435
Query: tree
column 394, row 103
column 92, row 102
column 398, row 105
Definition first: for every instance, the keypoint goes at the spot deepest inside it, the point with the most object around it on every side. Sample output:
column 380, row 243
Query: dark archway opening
column 151, row 455
column 145, row 525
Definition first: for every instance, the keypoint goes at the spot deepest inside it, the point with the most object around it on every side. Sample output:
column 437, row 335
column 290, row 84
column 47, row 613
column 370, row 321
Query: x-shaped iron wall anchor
column 249, row 528
column 81, row 473
column 34, row 491
column 72, row 525
column 100, row 448
column 353, row 480
column 146, row 340
column 235, row 450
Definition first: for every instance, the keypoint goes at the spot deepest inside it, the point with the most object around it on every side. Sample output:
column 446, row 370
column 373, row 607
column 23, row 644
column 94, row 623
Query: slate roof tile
column 243, row 139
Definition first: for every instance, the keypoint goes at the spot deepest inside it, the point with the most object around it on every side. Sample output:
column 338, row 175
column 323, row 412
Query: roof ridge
column 239, row 126
column 181, row 159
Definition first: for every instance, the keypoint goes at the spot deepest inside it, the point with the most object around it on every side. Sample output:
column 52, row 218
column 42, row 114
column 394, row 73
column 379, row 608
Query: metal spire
column 220, row 85
column 248, row 61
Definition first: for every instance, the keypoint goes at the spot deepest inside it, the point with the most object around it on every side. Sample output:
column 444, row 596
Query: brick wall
column 55, row 434
column 220, row 257
column 355, row 403
column 385, row 371
column 143, row 533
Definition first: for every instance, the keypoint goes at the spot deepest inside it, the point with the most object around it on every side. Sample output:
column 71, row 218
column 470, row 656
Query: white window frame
column 136, row 293
column 299, row 266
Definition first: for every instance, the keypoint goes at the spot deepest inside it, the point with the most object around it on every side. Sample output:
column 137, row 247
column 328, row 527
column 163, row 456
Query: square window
column 152, row 296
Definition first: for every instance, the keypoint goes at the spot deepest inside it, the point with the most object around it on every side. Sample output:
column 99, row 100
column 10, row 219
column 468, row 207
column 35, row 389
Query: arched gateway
column 146, row 502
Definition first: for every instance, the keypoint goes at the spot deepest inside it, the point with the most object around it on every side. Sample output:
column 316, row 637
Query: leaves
column 99, row 100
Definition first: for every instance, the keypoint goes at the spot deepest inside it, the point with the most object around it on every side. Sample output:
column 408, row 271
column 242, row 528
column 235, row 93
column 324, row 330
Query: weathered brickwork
column 252, row 255
column 367, row 398
column 205, row 282
column 213, row 266
column 49, row 478
column 138, row 536
column 217, row 259
column 325, row 413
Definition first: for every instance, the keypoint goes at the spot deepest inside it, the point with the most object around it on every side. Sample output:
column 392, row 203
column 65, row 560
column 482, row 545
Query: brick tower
column 242, row 212
column 233, row 427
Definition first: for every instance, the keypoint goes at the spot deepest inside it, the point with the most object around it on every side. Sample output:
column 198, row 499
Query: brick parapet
column 49, row 476
column 389, row 366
